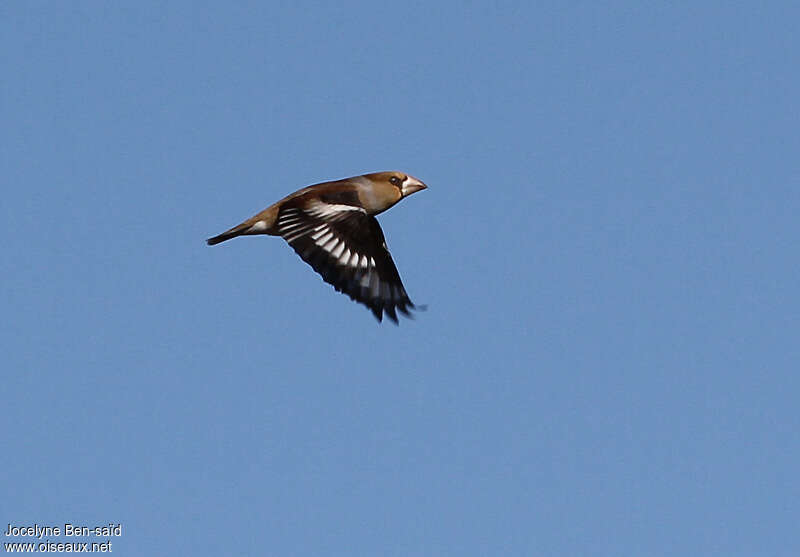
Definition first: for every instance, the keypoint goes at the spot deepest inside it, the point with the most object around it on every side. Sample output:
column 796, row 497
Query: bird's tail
column 227, row 235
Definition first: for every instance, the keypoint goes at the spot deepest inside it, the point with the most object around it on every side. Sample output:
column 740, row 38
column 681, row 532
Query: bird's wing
column 347, row 248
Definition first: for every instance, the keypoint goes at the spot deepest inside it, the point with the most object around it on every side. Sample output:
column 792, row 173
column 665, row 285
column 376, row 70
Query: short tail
column 227, row 235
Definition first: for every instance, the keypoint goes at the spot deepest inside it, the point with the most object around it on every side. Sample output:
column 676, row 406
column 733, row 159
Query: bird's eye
column 394, row 180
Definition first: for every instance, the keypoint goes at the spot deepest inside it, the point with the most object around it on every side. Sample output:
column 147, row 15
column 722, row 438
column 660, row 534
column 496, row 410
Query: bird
column 332, row 227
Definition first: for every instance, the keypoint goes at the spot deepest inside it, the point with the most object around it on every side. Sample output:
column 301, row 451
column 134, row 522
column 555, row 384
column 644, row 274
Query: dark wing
column 347, row 248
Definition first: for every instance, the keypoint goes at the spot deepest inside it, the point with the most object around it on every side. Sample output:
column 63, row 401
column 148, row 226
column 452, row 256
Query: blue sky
column 608, row 249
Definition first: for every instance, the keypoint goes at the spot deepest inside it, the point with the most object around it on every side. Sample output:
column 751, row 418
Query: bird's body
column 332, row 227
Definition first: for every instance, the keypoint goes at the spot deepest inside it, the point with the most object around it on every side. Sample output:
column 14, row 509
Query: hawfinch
column 332, row 227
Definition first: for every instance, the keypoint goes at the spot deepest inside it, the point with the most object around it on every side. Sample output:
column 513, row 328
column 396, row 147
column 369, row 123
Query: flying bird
column 332, row 227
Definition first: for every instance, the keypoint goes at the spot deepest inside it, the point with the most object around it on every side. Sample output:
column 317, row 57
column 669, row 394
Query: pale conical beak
column 412, row 185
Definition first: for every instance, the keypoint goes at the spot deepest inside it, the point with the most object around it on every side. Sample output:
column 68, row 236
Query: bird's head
column 387, row 188
column 406, row 183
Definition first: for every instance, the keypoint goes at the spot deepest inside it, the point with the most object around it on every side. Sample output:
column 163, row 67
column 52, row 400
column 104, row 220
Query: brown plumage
column 332, row 227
